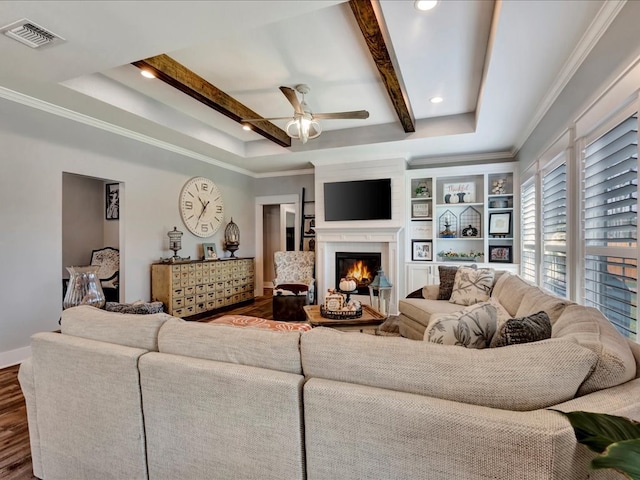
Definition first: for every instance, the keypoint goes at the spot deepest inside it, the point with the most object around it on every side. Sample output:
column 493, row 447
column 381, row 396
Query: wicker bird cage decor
column 232, row 238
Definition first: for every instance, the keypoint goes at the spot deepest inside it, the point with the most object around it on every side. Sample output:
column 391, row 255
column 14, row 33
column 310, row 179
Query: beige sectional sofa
column 153, row 397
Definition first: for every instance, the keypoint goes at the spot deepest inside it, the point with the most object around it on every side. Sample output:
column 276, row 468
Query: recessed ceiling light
column 147, row 74
column 436, row 99
column 246, row 127
column 424, row 5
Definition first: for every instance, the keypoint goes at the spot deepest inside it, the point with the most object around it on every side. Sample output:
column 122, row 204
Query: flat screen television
column 357, row 200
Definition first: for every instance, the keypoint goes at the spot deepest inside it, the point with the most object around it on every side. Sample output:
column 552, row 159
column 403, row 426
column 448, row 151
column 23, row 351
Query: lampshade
column 303, row 127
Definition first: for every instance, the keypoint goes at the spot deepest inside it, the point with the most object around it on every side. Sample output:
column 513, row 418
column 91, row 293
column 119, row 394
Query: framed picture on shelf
column 421, row 230
column 500, row 224
column 500, row 253
column 421, row 250
column 112, row 194
column 209, row 250
column 420, row 210
column 464, row 192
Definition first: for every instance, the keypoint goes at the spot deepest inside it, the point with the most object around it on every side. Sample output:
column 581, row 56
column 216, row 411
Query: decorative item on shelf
column 348, row 286
column 499, row 186
column 421, row 250
column 459, row 192
column 84, row 288
column 448, row 225
column 451, row 256
column 498, row 203
column 209, row 250
column 500, row 224
column 420, row 209
column 232, row 238
column 175, row 242
column 470, row 222
column 380, row 293
column 500, row 253
column 422, row 190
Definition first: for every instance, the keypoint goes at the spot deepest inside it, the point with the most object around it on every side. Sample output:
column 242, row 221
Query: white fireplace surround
column 384, row 240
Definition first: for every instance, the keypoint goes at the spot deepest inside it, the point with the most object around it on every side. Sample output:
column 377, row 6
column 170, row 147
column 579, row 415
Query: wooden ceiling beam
column 369, row 17
column 178, row 76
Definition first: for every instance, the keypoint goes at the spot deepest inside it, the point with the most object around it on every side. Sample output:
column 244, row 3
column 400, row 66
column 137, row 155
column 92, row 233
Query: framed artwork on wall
column 112, row 201
column 500, row 253
column 500, row 224
column 421, row 250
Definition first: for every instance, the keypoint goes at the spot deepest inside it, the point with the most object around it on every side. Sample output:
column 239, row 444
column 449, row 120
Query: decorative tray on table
column 341, row 314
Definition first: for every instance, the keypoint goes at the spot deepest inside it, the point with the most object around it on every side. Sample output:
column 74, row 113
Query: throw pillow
column 472, row 327
column 447, row 277
column 523, row 330
column 503, row 314
column 472, row 285
column 416, row 294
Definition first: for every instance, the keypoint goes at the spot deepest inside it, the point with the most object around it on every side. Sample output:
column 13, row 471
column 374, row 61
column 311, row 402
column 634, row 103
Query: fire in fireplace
column 361, row 266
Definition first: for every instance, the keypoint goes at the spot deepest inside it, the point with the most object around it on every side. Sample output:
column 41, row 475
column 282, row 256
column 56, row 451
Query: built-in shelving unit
column 458, row 215
column 308, row 232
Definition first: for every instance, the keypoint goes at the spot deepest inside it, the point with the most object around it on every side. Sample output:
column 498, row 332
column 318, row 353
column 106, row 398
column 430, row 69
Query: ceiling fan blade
column 251, row 120
column 357, row 114
column 290, row 93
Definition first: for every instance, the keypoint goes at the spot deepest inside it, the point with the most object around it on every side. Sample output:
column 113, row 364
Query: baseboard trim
column 14, row 357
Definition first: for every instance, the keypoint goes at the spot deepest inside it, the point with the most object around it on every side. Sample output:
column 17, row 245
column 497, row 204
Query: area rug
column 390, row 327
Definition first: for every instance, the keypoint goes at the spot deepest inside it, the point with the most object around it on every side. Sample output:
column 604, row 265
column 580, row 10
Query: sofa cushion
column 447, row 276
column 223, row 343
column 472, row 327
column 501, row 313
column 536, row 299
column 421, row 309
column 590, row 329
column 514, row 331
column 518, row 377
column 509, row 290
column 257, row 322
column 472, row 285
column 138, row 331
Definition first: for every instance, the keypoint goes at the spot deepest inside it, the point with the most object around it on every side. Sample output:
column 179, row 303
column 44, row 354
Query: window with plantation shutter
column 528, row 217
column 610, row 184
column 554, row 229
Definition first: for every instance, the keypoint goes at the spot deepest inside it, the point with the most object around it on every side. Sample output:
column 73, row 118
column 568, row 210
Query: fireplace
column 362, row 266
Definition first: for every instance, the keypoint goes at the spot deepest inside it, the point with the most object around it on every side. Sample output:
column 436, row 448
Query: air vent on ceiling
column 31, row 34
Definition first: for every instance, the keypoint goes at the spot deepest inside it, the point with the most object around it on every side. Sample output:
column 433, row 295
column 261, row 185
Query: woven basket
column 341, row 314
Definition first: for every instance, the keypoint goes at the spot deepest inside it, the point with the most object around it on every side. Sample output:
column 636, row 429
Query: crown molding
column 507, row 156
column 286, row 173
column 38, row 104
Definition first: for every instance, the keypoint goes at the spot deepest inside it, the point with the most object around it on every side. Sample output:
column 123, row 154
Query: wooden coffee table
column 369, row 317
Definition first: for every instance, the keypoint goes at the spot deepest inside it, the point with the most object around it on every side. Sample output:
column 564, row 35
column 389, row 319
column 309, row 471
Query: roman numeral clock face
column 201, row 206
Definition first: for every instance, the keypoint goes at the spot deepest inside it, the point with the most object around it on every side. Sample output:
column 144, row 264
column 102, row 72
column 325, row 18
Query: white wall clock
column 201, row 206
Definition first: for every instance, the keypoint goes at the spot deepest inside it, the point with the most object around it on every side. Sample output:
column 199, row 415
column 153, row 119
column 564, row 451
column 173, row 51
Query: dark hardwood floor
column 15, row 452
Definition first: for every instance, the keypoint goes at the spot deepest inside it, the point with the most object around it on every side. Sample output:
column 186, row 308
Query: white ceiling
column 497, row 65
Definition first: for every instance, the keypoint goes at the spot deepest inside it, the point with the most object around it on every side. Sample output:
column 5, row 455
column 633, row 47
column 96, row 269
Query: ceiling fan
column 304, row 124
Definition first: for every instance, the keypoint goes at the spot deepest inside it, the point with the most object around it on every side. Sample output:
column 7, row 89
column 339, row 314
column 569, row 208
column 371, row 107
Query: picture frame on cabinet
column 421, row 230
column 500, row 224
column 421, row 250
column 112, row 201
column 500, row 254
column 209, row 250
column 420, row 210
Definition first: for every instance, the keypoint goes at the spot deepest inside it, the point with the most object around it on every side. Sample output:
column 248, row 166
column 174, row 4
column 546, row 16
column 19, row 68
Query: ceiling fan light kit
column 303, row 125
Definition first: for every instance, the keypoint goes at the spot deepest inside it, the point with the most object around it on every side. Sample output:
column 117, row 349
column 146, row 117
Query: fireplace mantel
column 383, row 239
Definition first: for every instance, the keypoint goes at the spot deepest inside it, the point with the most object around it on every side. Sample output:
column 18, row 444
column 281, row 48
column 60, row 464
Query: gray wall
column 35, row 149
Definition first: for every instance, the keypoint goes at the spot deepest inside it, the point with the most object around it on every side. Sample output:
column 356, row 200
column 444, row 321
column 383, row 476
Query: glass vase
column 84, row 288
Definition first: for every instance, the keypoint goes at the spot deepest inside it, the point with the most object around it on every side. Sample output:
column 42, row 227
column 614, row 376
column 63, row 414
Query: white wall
column 35, row 149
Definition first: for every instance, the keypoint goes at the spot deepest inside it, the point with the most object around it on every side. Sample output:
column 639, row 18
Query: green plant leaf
column 623, row 457
column 598, row 430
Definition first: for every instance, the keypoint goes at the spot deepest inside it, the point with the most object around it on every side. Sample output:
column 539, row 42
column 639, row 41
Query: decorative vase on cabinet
column 84, row 288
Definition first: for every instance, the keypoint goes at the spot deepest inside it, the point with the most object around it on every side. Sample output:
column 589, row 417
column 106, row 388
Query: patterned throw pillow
column 472, row 327
column 472, row 285
column 447, row 277
column 523, row 330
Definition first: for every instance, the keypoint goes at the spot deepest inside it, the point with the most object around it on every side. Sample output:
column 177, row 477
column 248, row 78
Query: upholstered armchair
column 108, row 259
column 294, row 285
